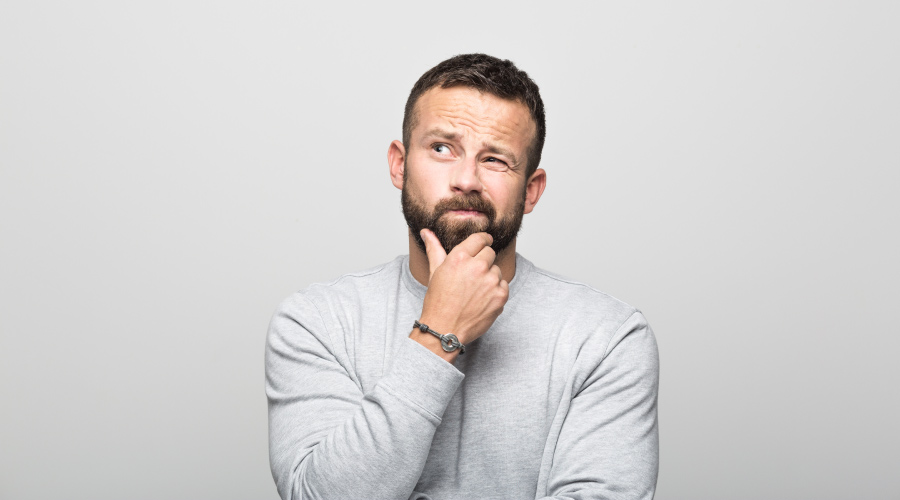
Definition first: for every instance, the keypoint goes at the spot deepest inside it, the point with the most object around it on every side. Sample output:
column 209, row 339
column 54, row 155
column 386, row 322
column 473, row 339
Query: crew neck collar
column 524, row 269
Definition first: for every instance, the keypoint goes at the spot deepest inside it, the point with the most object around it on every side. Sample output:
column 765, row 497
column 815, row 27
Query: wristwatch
column 449, row 342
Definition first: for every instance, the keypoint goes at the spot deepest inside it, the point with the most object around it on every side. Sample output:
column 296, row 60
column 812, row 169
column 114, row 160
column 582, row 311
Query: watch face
column 449, row 342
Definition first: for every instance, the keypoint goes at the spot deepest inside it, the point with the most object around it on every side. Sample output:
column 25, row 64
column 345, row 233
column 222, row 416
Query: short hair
column 484, row 73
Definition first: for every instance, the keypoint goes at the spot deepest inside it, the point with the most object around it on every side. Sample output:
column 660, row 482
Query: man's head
column 472, row 136
column 487, row 74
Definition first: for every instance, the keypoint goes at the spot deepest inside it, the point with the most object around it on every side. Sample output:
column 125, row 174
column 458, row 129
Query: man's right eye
column 440, row 148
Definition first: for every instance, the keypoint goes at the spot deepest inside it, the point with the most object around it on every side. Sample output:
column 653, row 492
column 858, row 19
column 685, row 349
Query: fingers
column 474, row 244
column 495, row 269
column 487, row 254
column 434, row 250
column 477, row 245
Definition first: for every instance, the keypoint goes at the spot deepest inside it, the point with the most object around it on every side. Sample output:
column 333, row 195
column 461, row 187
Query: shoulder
column 355, row 285
column 318, row 303
column 316, row 313
column 591, row 325
column 578, row 315
column 556, row 292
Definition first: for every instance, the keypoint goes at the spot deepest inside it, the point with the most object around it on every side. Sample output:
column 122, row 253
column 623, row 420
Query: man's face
column 465, row 166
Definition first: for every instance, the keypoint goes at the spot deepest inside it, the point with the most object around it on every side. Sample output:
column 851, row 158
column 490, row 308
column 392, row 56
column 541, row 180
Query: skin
column 465, row 142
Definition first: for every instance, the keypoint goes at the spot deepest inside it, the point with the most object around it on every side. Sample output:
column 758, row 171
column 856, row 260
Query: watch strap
column 449, row 342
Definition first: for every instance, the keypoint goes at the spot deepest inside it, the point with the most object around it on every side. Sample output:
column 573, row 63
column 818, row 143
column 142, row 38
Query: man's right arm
column 328, row 438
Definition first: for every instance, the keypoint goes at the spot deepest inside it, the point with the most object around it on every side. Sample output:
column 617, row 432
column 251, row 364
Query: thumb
column 434, row 250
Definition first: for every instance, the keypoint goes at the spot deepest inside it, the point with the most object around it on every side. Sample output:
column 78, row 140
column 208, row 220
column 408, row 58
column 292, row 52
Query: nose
column 465, row 177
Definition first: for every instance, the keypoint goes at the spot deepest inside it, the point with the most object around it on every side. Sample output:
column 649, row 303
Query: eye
column 440, row 148
column 495, row 164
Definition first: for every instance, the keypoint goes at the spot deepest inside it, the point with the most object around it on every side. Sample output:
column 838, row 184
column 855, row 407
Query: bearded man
column 462, row 370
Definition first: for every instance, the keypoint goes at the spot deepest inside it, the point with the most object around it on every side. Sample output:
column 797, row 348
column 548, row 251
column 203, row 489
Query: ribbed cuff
column 422, row 378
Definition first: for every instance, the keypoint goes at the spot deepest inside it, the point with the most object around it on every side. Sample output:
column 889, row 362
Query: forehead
column 470, row 111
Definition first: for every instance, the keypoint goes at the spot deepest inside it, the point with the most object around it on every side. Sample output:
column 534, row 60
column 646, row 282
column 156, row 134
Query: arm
column 328, row 439
column 608, row 446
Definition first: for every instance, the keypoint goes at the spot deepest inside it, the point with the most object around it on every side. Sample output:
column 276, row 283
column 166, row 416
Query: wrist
column 449, row 341
column 444, row 325
column 433, row 344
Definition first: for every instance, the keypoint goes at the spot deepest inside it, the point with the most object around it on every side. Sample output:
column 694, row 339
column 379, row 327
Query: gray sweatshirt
column 557, row 399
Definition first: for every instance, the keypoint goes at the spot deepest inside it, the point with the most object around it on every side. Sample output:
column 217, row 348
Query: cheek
column 505, row 195
column 429, row 181
column 422, row 188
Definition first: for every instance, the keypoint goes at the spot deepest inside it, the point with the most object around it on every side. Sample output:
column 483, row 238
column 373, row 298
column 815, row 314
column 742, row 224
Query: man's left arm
column 608, row 446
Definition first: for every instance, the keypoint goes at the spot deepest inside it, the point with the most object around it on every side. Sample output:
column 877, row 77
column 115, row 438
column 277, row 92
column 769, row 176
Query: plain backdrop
column 171, row 170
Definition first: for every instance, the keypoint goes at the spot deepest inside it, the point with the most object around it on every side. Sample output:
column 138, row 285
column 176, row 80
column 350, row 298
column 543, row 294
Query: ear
column 396, row 163
column 534, row 189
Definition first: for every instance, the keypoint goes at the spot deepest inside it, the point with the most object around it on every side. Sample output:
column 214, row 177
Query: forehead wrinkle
column 492, row 117
column 459, row 127
column 490, row 127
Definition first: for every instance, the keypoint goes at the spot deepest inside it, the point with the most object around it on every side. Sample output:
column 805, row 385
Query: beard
column 451, row 232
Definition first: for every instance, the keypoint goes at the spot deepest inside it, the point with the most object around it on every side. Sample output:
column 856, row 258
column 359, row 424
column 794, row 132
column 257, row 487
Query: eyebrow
column 497, row 150
column 441, row 133
column 453, row 136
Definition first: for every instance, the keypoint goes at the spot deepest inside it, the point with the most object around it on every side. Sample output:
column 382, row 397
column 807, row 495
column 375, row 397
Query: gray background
column 172, row 170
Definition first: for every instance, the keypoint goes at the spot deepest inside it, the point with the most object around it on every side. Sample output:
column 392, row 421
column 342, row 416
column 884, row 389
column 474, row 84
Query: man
column 513, row 383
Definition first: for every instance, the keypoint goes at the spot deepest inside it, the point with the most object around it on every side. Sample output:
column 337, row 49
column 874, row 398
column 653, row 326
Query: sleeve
column 328, row 439
column 608, row 446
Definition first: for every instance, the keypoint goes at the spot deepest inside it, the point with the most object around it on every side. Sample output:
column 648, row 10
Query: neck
column 418, row 262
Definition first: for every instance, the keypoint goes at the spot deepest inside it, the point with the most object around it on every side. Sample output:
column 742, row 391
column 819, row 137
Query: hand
column 466, row 291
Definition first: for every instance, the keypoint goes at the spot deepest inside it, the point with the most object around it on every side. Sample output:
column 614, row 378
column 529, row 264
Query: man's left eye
column 494, row 160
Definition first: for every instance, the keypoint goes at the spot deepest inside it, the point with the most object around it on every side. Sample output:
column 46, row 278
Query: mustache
column 465, row 202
